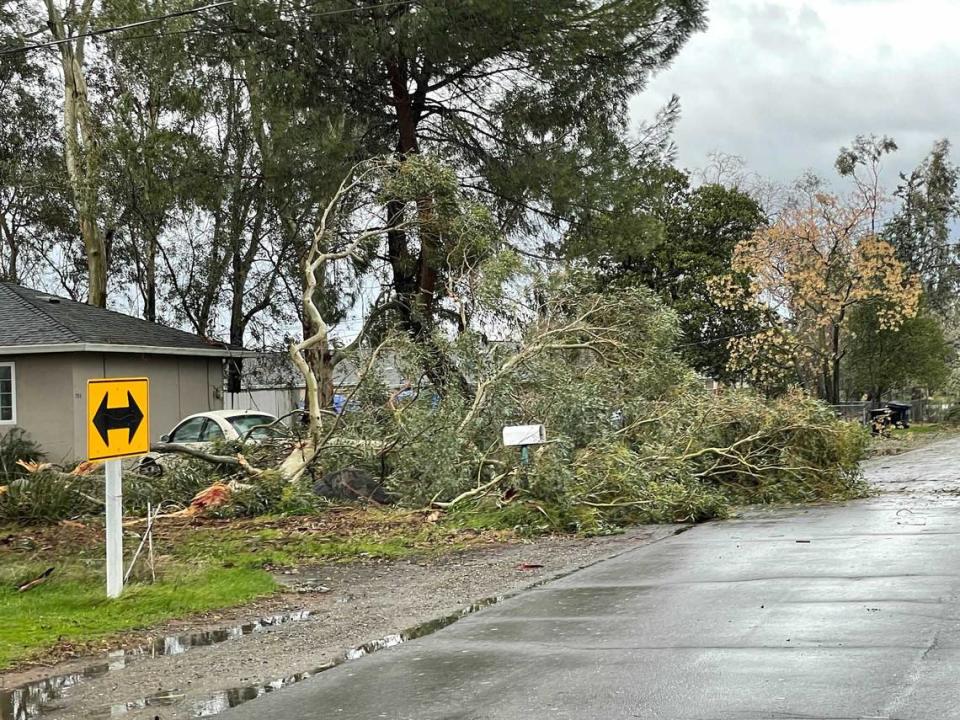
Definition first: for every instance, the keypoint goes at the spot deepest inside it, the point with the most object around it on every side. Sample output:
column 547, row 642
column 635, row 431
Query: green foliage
column 879, row 360
column 920, row 231
column 696, row 232
column 37, row 215
column 180, row 481
column 631, row 435
column 45, row 497
column 15, row 445
column 270, row 494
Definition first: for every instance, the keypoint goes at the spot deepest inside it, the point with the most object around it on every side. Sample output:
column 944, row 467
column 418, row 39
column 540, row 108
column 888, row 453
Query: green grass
column 920, row 430
column 268, row 547
column 72, row 606
column 926, row 429
column 200, row 568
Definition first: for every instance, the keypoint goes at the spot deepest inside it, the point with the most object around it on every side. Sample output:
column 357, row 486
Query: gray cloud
column 785, row 83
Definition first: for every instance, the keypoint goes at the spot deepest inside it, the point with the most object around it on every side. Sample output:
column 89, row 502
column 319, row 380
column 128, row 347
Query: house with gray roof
column 51, row 346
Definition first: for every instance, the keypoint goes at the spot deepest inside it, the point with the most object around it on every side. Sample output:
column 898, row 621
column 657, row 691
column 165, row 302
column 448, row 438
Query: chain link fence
column 923, row 411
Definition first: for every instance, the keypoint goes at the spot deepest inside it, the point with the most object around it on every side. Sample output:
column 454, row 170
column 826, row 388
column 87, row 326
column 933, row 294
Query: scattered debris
column 34, row 467
column 85, row 468
column 39, row 580
column 529, row 566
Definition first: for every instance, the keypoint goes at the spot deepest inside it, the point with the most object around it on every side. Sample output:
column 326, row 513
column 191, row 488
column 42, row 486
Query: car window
column 243, row 423
column 188, row 431
column 211, row 432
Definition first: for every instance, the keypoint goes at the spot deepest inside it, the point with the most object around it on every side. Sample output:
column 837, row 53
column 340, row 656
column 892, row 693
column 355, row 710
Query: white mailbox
column 523, row 435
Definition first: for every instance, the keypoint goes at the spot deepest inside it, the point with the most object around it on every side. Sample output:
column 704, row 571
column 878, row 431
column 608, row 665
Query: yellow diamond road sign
column 117, row 418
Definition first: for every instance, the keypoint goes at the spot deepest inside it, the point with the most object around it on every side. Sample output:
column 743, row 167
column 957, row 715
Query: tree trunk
column 237, row 320
column 319, row 360
column 835, row 361
column 150, row 283
column 82, row 158
column 415, row 281
column 10, row 272
column 96, row 260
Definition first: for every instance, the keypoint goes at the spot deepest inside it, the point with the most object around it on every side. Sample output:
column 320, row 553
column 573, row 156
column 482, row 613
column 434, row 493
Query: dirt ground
column 349, row 605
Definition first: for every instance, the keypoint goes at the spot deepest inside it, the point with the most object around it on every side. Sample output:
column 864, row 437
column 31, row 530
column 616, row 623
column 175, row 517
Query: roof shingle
column 29, row 317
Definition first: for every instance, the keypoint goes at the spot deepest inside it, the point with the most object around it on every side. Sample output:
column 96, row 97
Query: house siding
column 44, row 388
column 52, row 393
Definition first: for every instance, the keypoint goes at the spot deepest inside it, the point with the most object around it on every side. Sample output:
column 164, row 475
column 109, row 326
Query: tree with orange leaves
column 819, row 260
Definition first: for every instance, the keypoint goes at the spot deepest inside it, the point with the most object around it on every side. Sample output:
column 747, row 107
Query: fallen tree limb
column 480, row 490
column 39, row 580
column 237, row 461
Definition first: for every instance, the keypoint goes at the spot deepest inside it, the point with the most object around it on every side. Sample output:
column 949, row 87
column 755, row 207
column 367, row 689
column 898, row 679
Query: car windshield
column 243, row 423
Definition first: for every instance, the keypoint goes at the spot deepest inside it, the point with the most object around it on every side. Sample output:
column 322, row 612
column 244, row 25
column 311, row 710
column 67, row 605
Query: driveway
column 846, row 611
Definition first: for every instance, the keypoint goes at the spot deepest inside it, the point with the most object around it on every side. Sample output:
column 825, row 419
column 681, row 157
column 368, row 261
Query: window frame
column 267, row 420
column 204, row 431
column 13, row 392
column 173, row 433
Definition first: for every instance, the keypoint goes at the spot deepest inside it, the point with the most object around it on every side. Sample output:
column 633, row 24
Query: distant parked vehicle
column 893, row 415
column 201, row 430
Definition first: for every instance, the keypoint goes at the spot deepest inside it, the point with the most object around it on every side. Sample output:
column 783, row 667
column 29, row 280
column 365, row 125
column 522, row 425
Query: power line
column 119, row 28
column 184, row 13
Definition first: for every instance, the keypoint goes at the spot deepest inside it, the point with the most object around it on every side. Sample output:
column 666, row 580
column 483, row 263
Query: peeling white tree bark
column 81, row 146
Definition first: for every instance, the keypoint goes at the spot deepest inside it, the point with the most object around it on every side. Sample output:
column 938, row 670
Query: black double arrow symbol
column 121, row 418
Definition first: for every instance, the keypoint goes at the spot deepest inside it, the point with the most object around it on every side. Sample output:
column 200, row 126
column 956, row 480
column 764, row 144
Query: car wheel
column 149, row 468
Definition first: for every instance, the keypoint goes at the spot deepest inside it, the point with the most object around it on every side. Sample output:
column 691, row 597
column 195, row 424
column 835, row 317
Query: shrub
column 16, row 445
column 49, row 497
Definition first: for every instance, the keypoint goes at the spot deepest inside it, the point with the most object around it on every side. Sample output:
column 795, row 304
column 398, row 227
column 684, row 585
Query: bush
column 49, row 497
column 16, row 445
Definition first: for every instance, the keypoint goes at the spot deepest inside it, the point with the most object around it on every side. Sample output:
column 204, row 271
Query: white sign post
column 114, row 496
column 118, row 411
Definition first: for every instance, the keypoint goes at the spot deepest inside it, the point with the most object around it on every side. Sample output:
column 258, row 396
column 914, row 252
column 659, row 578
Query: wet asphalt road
column 834, row 612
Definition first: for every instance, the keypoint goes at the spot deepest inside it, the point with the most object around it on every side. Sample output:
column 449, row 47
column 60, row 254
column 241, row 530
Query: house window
column 8, row 394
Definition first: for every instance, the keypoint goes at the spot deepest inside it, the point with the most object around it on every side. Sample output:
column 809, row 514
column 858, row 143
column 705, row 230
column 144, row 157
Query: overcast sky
column 785, row 83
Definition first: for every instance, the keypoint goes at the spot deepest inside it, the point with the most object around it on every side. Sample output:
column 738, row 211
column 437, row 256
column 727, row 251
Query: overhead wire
column 184, row 13
column 118, row 28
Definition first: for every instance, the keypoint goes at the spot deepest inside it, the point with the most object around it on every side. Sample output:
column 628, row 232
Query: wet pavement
column 831, row 612
column 31, row 700
column 332, row 614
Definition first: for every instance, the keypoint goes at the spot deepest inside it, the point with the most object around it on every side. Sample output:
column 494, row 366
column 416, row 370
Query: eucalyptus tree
column 69, row 27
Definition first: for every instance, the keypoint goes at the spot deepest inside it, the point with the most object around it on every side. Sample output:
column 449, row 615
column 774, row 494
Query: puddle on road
column 31, row 700
column 225, row 699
